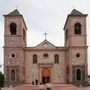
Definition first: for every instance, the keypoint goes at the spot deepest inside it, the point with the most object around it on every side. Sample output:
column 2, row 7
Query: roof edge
column 69, row 15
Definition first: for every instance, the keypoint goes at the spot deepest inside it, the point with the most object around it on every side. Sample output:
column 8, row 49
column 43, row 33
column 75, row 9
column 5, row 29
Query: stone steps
column 54, row 87
column 8, row 88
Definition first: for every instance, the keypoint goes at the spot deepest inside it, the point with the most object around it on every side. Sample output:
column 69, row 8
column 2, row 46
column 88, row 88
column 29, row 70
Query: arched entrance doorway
column 46, row 75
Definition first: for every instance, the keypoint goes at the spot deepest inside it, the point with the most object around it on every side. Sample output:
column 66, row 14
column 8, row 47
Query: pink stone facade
column 70, row 65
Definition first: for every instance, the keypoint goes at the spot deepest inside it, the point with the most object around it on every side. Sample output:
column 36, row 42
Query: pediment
column 45, row 45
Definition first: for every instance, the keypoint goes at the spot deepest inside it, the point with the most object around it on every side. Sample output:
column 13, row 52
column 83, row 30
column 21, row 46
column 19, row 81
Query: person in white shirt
column 41, row 87
column 48, row 86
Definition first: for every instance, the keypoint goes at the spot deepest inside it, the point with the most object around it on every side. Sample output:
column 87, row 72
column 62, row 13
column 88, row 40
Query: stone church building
column 45, row 62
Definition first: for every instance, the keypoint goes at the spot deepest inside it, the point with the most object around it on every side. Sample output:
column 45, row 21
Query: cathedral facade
column 45, row 62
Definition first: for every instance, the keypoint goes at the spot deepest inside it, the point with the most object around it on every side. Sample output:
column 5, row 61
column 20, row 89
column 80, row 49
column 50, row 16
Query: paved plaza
column 83, row 88
column 54, row 87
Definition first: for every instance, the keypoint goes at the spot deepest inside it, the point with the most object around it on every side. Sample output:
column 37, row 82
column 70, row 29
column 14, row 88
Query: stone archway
column 46, row 74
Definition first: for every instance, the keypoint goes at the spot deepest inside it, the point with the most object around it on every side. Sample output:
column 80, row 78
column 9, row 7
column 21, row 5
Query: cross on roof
column 73, row 7
column 45, row 35
column 16, row 7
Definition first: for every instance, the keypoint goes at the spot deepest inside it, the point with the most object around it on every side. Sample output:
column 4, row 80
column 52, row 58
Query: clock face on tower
column 45, row 45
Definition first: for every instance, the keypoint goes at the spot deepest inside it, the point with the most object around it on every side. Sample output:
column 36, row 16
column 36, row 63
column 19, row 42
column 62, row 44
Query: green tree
column 88, row 76
column 1, row 79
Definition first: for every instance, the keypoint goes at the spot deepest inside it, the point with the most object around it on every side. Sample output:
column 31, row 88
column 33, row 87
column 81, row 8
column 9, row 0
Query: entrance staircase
column 54, row 87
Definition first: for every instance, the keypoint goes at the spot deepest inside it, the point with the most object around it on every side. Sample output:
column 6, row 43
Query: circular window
column 45, row 55
column 45, row 45
column 78, row 55
column 13, row 55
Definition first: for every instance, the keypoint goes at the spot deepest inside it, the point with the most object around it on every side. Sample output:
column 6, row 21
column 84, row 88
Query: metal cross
column 16, row 7
column 73, row 6
column 45, row 35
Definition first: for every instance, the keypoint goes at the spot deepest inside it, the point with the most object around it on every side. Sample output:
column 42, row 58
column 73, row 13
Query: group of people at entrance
column 46, row 86
column 35, row 83
column 43, row 86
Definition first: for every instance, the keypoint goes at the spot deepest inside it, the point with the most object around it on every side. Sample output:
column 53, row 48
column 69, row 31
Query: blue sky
column 44, row 16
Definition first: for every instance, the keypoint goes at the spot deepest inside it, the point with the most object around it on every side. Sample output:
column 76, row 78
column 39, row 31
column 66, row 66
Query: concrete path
column 83, row 88
column 54, row 87
column 8, row 88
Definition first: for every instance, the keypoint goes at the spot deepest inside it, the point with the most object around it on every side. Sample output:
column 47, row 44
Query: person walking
column 32, row 82
column 36, row 81
column 41, row 86
column 48, row 86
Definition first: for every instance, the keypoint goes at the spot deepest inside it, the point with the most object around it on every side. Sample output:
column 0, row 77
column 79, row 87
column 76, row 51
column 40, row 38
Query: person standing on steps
column 48, row 86
column 36, row 81
column 32, row 82
column 41, row 86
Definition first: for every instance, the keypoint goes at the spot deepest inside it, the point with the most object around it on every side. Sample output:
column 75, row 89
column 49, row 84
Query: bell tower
column 14, row 44
column 76, row 44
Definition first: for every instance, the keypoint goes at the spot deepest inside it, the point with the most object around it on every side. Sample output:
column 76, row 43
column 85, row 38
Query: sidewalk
column 54, row 87
column 83, row 88
column 8, row 88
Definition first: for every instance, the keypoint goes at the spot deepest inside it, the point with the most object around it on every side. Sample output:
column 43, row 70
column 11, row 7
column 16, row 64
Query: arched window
column 56, row 58
column 12, row 75
column 78, row 74
column 13, row 29
column 77, row 28
column 34, row 59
